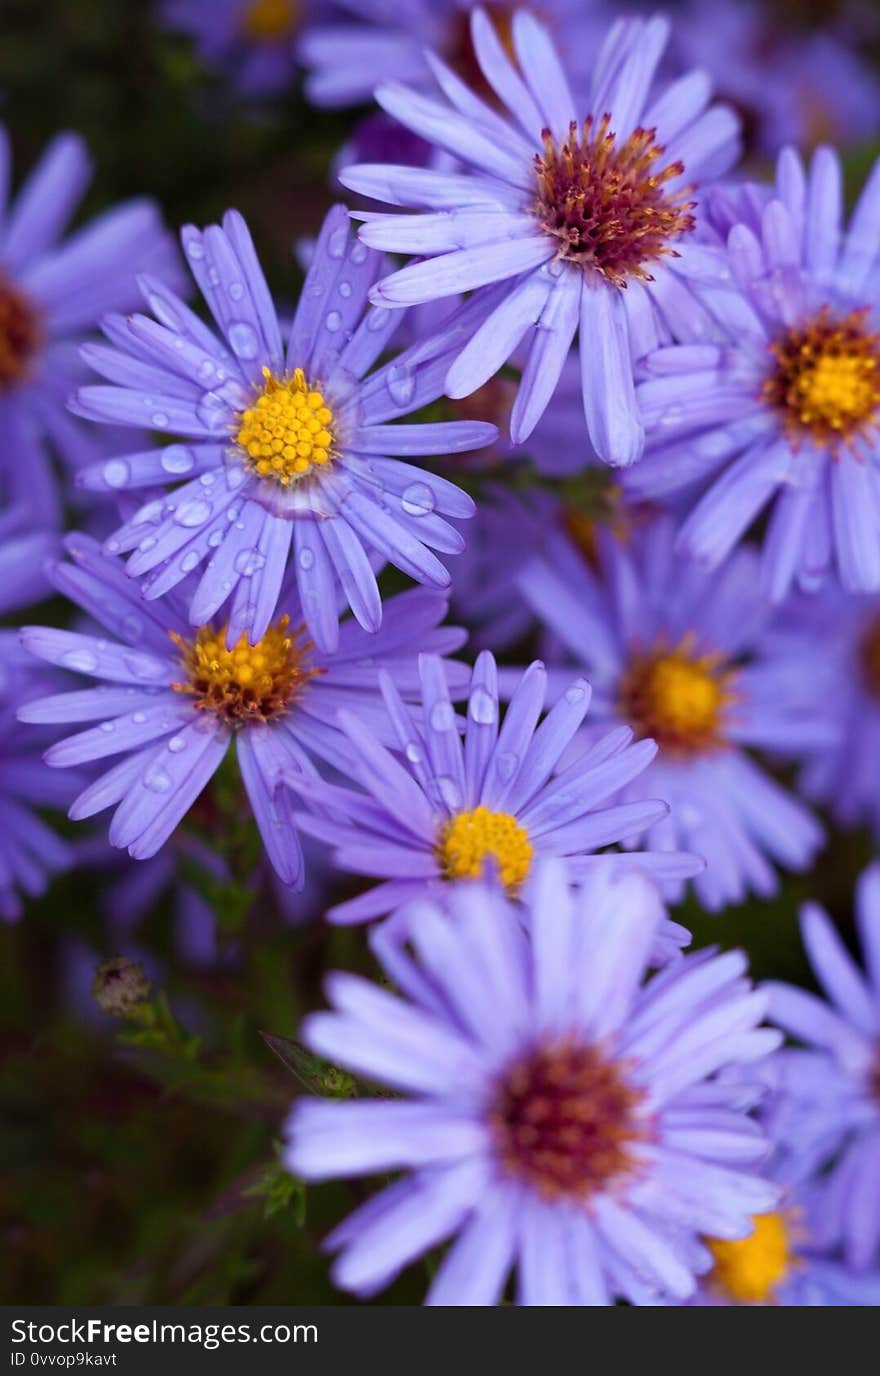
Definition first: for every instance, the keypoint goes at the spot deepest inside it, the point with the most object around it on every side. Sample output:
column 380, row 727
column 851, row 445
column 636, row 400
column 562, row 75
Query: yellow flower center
column 678, row 698
column 20, row 333
column 269, row 21
column 827, row 379
column 469, row 839
column 288, row 431
column 750, row 1269
column 249, row 683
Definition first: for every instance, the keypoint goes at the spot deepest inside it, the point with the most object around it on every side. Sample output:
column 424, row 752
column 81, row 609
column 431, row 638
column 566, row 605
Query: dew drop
column 345, row 289
column 333, row 321
column 306, row 559
column 337, row 242
column 83, row 661
column 401, row 383
column 160, row 420
column 358, row 252
column 442, row 716
column 138, row 718
column 506, row 764
column 108, row 726
column 156, row 780
column 192, row 514
column 189, row 561
column 243, row 338
column 236, row 291
column 418, row 500
column 195, row 250
column 449, row 791
column 177, row 459
column 116, row 473
column 483, row 708
column 575, row 694
column 176, row 744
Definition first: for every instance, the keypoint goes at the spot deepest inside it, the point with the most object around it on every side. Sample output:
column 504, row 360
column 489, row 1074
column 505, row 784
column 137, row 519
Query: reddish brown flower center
column 248, row 683
column 565, row 1120
column 869, row 656
column 609, row 206
column 20, row 334
column 826, row 382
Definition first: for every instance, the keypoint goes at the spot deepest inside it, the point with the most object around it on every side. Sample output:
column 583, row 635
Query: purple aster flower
column 255, row 41
column 500, row 1028
column 790, row 87
column 444, row 809
column 778, row 1263
column 782, row 415
column 680, row 656
column 23, row 555
column 568, row 214
column 52, row 295
column 171, row 701
column 30, row 852
column 838, row 635
column 828, row 1110
column 366, row 41
column 279, row 448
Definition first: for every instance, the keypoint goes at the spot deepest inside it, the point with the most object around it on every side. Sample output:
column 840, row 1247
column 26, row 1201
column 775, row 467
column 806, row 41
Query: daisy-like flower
column 791, row 87
column 781, row 416
column 828, row 1114
column 680, row 656
column 366, row 41
column 30, row 852
column 444, row 809
column 562, row 1117
column 254, row 41
column 171, row 701
column 52, row 295
column 279, row 447
column 838, row 633
column 778, row 1263
column 568, row 215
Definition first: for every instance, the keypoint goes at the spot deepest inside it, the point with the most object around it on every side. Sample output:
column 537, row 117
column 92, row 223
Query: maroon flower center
column 564, row 1120
column 20, row 334
column 869, row 656
column 608, row 205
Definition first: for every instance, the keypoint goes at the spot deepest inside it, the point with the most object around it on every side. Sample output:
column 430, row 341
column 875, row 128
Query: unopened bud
column 120, row 987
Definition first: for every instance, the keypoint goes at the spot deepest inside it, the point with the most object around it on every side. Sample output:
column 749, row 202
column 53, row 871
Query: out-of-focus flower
column 827, row 1107
column 570, row 214
column 359, row 43
column 172, row 700
column 680, row 656
column 561, row 1116
column 783, row 414
column 30, row 852
column 444, row 810
column 53, row 292
column 790, row 87
column 23, row 556
column 254, row 41
column 280, row 448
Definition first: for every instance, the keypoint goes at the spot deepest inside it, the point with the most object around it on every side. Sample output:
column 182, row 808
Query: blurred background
column 138, row 1161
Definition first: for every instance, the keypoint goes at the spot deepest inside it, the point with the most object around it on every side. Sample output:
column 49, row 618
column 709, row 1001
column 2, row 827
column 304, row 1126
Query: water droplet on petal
column 83, row 661
column 160, row 420
column 442, row 716
column 345, row 289
column 418, row 500
column 337, row 242
column 177, row 459
column 358, row 252
column 116, row 473
column 333, row 321
column 213, row 412
column 413, row 753
column 189, row 561
column 575, row 694
column 306, row 559
column 176, row 744
column 243, row 338
column 401, row 383
column 108, row 727
column 236, row 291
column 483, row 707
column 506, row 764
column 138, row 718
column 156, row 780
column 192, row 514
column 194, row 249
column 449, row 792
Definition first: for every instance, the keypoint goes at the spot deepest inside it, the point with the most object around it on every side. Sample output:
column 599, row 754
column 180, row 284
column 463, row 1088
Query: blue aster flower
column 568, row 214
column 254, row 41
column 681, row 657
column 445, row 808
column 828, row 1110
column 52, row 294
column 358, row 43
column 791, row 87
column 778, row 1264
column 561, row 1115
column 170, row 701
column 278, row 448
column 781, row 416
column 30, row 851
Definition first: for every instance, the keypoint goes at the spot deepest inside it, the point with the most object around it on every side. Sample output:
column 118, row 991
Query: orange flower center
column 678, row 698
column 249, row 683
column 826, row 382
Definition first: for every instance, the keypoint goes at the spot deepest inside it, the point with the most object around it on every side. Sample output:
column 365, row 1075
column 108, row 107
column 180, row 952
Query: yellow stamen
column 827, row 379
column 750, row 1269
column 288, row 432
column 249, row 683
column 469, row 839
column 269, row 21
column 678, row 698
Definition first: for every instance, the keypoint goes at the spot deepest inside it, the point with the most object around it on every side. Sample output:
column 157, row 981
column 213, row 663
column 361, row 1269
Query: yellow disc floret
column 826, row 380
column 248, row 683
column 677, row 697
column 288, row 431
column 748, row 1270
column 469, row 839
column 269, row 21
